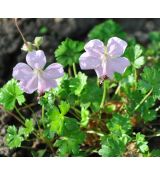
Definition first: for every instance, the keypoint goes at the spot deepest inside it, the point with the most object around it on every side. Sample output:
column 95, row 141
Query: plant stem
column 69, row 71
column 43, row 116
column 97, row 81
column 19, row 113
column 13, row 115
column 28, row 106
column 74, row 69
column 104, row 95
column 157, row 109
column 76, row 110
column 154, row 135
column 117, row 90
column 24, row 40
column 48, row 142
column 143, row 100
column 135, row 76
column 95, row 132
column 74, row 114
column 33, row 113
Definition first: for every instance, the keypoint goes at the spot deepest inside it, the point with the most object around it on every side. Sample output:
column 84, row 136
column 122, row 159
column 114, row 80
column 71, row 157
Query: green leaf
column 137, row 51
column 119, row 124
column 71, row 128
column 92, row 94
column 69, row 52
column 67, row 146
column 77, row 84
column 144, row 111
column 84, row 116
column 39, row 153
column 71, row 138
column 150, row 80
column 133, row 53
column 141, row 143
column 71, row 87
column 149, row 115
column 48, row 99
column 65, row 92
column 134, row 99
column 139, row 62
column 43, row 30
column 56, row 120
column 64, row 107
column 154, row 36
column 10, row 93
column 106, row 30
column 13, row 139
column 155, row 153
column 112, row 146
column 29, row 127
column 153, row 49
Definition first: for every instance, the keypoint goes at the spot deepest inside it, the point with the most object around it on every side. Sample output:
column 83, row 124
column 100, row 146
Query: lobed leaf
column 10, row 93
column 68, row 52
column 106, row 30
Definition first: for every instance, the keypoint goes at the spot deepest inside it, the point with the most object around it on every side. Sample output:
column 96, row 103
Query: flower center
column 105, row 55
column 38, row 72
column 105, row 51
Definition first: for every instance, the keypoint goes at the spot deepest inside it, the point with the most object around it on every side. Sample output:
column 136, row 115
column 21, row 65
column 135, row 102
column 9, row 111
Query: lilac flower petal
column 88, row 61
column 104, row 70
column 29, row 85
column 36, row 59
column 116, row 47
column 54, row 71
column 95, row 47
column 99, row 71
column 45, row 84
column 109, row 70
column 116, row 65
column 22, row 71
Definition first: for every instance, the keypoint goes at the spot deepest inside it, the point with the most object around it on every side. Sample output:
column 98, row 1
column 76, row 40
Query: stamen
column 105, row 55
column 38, row 72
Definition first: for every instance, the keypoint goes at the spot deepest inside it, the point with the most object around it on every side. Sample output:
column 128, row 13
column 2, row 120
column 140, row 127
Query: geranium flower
column 105, row 60
column 32, row 77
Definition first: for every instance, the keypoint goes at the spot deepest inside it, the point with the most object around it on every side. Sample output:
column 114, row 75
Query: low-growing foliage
column 78, row 113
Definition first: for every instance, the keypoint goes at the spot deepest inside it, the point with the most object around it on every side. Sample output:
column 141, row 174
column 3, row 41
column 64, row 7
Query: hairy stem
column 104, row 95
column 33, row 113
column 118, row 89
column 19, row 113
column 19, row 30
column 28, row 106
column 13, row 115
column 69, row 71
column 74, row 69
column 135, row 76
column 74, row 114
column 143, row 100
column 76, row 110
column 43, row 116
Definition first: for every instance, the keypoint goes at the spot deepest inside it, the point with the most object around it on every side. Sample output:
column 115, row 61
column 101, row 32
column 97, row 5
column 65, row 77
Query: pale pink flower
column 32, row 77
column 105, row 60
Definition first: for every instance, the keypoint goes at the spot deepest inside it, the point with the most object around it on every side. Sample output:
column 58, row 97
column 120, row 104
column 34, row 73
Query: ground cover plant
column 100, row 97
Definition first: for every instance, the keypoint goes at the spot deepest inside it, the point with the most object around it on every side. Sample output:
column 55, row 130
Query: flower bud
column 27, row 47
column 38, row 41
